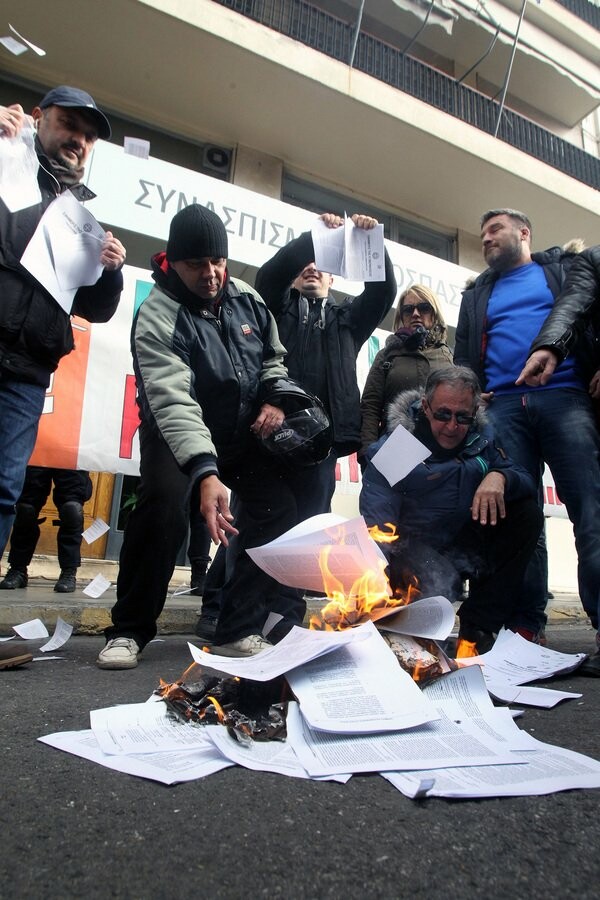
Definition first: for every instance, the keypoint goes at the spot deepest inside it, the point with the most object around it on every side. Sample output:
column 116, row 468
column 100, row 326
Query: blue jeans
column 21, row 405
column 557, row 427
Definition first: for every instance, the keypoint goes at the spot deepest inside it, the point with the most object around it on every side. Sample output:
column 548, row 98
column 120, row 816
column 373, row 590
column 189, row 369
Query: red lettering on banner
column 338, row 472
column 550, row 495
column 353, row 468
column 131, row 419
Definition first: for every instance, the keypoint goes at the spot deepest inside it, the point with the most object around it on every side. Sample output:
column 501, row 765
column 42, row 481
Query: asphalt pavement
column 74, row 829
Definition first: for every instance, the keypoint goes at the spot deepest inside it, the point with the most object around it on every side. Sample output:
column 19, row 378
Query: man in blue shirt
column 500, row 315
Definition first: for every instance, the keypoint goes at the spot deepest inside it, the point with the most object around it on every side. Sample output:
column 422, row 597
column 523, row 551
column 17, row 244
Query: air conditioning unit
column 216, row 159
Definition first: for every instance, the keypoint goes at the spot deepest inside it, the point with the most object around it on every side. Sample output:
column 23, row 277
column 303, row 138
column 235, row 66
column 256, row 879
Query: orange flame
column 383, row 537
column 368, row 594
column 466, row 649
column 220, row 711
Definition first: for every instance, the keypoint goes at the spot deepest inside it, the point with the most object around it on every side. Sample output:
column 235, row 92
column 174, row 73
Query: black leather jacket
column 35, row 332
column 575, row 318
column 471, row 330
column 321, row 352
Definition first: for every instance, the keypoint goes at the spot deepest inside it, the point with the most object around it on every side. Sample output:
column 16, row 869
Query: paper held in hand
column 354, row 253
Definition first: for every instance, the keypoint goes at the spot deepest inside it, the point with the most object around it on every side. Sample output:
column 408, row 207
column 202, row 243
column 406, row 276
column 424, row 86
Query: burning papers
column 296, row 558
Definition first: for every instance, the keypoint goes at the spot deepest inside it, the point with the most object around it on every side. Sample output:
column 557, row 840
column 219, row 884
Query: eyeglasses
column 444, row 415
column 422, row 308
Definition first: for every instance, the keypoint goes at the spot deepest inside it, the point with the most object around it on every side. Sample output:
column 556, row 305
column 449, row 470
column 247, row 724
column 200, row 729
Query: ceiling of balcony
column 227, row 80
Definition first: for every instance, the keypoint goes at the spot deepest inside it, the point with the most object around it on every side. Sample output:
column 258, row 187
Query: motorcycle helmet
column 304, row 438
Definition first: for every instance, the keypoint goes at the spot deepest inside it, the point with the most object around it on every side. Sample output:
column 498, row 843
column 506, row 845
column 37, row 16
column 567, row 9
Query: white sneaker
column 120, row 653
column 248, row 646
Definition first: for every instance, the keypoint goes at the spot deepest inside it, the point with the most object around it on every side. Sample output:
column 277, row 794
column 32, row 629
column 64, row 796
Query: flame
column 368, row 594
column 220, row 711
column 466, row 649
column 383, row 537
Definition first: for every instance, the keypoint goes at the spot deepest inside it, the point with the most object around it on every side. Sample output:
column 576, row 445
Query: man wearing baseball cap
column 35, row 332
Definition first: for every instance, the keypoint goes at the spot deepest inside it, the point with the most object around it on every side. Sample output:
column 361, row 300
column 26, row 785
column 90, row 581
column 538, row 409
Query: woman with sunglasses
column 416, row 348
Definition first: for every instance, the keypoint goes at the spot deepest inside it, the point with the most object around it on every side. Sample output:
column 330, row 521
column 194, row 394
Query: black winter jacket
column 323, row 352
column 433, row 502
column 575, row 318
column 35, row 332
column 471, row 330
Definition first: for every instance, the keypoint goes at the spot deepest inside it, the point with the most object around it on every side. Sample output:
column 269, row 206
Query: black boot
column 14, row 578
column 67, row 581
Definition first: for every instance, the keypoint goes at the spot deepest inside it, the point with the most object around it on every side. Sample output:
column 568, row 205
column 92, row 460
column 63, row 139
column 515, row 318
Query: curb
column 91, row 616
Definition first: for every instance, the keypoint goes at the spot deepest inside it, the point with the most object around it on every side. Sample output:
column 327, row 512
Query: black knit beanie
column 196, row 232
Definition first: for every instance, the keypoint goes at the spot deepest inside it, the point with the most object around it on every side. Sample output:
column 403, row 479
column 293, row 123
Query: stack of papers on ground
column 356, row 710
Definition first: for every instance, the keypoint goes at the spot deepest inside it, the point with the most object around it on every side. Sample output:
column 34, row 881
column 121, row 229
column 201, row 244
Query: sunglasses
column 444, row 415
column 422, row 308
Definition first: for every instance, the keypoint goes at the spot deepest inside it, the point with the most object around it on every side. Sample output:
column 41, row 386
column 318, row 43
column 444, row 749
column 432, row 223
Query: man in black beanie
column 207, row 360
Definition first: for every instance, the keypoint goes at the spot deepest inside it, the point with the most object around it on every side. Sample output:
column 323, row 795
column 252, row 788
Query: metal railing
column 327, row 34
column 583, row 9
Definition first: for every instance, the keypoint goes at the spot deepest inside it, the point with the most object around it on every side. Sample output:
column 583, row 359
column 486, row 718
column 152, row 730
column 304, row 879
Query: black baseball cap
column 78, row 99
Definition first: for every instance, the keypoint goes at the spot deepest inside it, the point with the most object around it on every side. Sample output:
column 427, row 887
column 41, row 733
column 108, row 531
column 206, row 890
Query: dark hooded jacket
column 35, row 332
column 322, row 340
column 433, row 502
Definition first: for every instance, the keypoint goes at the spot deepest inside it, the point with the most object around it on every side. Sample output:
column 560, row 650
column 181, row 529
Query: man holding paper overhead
column 466, row 511
column 35, row 332
column 322, row 337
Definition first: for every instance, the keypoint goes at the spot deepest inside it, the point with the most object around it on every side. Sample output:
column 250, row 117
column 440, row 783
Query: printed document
column 64, row 251
column 429, row 617
column 354, row 253
column 167, row 768
column 297, row 647
column 342, row 547
column 361, row 688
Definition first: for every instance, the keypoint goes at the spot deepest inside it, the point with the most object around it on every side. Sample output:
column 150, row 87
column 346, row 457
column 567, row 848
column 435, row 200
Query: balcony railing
column 583, row 9
column 327, row 34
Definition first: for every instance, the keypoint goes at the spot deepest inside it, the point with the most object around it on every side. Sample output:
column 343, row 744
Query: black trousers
column 157, row 526
column 70, row 486
column 313, row 489
column 493, row 557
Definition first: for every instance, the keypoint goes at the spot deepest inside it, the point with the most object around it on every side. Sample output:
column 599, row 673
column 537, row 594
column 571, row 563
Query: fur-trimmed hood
column 404, row 409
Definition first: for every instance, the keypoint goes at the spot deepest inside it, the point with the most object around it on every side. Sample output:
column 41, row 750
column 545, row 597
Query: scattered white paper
column 31, row 630
column 143, row 728
column 361, row 688
column 31, row 46
column 64, row 251
column 62, row 633
column 271, row 621
column 354, row 253
column 45, row 658
column 343, row 547
column 547, row 770
column 136, row 147
column 97, row 586
column 95, row 531
column 168, row 768
column 9, row 638
column 298, row 646
column 429, row 617
column 399, row 455
column 263, row 756
column 529, row 696
column 451, row 741
column 13, row 46
column 19, row 166
column 513, row 660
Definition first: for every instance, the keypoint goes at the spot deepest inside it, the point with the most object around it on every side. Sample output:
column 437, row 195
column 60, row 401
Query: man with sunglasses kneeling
column 466, row 512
